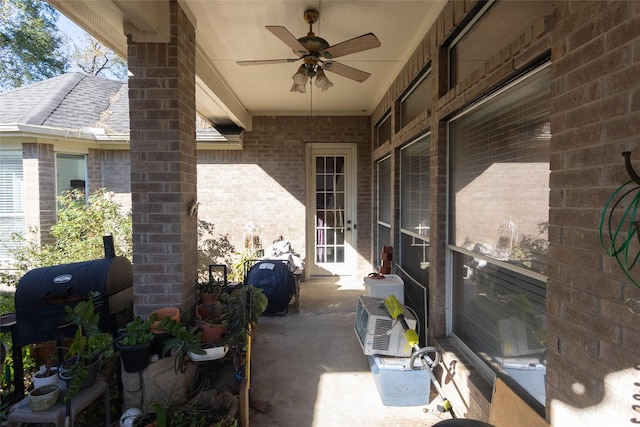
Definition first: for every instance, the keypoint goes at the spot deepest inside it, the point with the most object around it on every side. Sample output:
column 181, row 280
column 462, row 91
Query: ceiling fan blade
column 346, row 71
column 268, row 61
column 358, row 44
column 289, row 39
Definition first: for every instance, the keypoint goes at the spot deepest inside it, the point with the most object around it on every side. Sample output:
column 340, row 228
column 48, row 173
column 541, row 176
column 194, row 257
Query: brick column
column 163, row 167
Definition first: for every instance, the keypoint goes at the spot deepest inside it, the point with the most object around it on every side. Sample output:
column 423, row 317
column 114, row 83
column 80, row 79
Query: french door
column 331, row 219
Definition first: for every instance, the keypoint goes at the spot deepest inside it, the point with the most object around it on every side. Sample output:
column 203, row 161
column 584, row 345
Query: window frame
column 483, row 365
column 85, row 159
column 411, row 90
column 386, row 119
column 379, row 222
column 18, row 215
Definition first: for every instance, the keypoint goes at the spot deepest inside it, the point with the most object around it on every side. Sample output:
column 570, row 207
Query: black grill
column 43, row 293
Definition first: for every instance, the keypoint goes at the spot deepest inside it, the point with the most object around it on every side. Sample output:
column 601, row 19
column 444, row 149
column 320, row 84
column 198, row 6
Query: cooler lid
column 396, row 363
column 386, row 279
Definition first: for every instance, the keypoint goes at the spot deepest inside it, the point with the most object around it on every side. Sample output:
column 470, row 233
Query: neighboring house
column 486, row 165
column 70, row 131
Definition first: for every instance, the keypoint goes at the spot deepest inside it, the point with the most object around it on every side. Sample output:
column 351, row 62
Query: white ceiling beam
column 146, row 21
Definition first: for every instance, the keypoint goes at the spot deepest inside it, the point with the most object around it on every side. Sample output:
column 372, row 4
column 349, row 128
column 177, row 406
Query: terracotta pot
column 211, row 332
column 163, row 313
column 209, row 312
column 208, row 299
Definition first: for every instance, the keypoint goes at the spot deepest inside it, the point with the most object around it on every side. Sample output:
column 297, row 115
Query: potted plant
column 134, row 344
column 80, row 368
column 47, row 374
column 242, row 308
column 209, row 319
column 210, row 290
column 182, row 341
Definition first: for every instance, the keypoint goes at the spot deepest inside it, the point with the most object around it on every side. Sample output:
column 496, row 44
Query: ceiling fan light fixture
column 300, row 80
column 299, row 88
column 322, row 81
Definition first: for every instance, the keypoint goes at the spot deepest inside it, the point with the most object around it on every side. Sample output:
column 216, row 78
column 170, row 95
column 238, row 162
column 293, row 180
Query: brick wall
column 40, row 205
column 266, row 181
column 594, row 338
column 163, row 167
column 111, row 169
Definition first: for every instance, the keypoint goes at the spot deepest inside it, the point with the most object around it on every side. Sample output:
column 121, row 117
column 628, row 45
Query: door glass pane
column 330, row 200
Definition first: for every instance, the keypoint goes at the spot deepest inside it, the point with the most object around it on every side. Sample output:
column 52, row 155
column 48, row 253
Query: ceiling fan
column 317, row 55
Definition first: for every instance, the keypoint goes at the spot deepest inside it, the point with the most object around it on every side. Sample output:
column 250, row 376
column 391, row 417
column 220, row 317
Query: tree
column 92, row 57
column 82, row 223
column 31, row 48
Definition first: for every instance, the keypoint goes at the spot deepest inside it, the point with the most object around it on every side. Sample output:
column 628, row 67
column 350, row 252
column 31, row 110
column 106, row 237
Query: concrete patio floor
column 308, row 369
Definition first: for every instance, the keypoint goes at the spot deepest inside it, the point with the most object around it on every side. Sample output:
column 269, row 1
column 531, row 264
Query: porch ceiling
column 234, row 30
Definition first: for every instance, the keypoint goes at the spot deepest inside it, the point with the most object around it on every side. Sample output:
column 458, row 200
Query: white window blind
column 11, row 200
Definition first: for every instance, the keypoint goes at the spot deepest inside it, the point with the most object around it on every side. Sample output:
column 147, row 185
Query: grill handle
column 51, row 293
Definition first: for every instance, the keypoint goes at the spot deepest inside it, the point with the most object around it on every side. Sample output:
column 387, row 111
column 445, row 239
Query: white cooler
column 391, row 284
column 398, row 384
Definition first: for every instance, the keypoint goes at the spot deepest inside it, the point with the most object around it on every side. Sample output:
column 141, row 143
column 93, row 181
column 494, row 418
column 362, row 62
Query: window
column 417, row 100
column 499, row 212
column 383, row 130
column 414, row 225
column 11, row 200
column 71, row 172
column 384, row 206
column 496, row 25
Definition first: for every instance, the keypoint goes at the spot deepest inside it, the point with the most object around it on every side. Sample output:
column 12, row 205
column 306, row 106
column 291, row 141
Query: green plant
column 214, row 286
column 211, row 249
column 237, row 314
column 137, row 331
column 7, row 305
column 77, row 235
column 85, row 347
column 182, row 341
column 238, row 268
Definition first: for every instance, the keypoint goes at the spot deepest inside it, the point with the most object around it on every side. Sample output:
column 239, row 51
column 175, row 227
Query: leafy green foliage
column 211, row 249
column 138, row 331
column 81, row 351
column 215, row 286
column 240, row 308
column 182, row 341
column 30, row 46
column 78, row 234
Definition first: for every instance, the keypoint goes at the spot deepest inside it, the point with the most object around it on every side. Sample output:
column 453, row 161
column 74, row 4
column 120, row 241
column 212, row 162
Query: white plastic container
column 397, row 383
column 390, row 284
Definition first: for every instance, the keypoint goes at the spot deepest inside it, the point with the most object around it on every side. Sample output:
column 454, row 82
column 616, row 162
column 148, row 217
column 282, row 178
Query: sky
column 69, row 28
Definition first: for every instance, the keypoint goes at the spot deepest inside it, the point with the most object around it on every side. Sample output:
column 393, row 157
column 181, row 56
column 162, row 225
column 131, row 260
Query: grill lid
column 42, row 294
